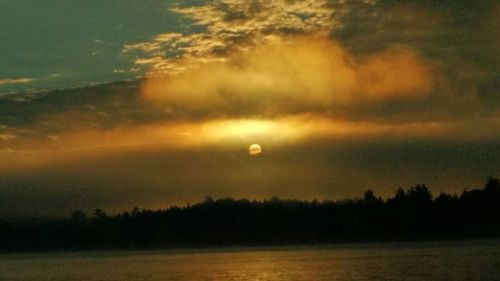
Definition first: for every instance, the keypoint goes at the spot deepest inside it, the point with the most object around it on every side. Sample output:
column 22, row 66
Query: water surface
column 470, row 260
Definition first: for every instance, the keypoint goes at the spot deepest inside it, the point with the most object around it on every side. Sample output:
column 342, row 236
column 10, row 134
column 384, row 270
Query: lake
column 457, row 260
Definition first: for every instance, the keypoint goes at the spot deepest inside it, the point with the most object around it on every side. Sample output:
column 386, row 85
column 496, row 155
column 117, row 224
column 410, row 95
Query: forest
column 409, row 215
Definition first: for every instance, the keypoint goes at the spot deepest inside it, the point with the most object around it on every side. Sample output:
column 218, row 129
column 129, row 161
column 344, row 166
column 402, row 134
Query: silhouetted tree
column 78, row 216
column 408, row 215
column 99, row 214
column 492, row 185
column 400, row 197
column 135, row 211
column 420, row 195
column 369, row 196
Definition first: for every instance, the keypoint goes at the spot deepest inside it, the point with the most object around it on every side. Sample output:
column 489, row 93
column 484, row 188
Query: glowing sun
column 254, row 149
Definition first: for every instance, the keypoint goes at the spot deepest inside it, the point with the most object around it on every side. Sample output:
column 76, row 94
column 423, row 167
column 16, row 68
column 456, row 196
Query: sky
column 122, row 103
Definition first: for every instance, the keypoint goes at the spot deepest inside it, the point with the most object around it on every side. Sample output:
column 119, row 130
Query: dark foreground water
column 471, row 260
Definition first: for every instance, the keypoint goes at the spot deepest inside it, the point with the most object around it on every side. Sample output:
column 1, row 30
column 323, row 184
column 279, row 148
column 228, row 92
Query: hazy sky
column 342, row 96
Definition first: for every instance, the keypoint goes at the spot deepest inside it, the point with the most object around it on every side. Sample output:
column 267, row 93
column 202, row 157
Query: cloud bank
column 300, row 76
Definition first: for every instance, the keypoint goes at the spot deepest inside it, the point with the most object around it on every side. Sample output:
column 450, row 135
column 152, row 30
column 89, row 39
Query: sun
column 254, row 149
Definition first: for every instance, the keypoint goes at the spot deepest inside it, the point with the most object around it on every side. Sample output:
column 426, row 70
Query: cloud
column 145, row 47
column 8, row 81
column 303, row 75
column 6, row 137
column 459, row 35
column 396, row 72
column 233, row 25
column 455, row 49
column 31, row 149
column 158, row 176
column 240, row 16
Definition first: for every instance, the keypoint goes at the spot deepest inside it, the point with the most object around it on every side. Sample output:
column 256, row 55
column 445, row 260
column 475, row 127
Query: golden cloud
column 395, row 72
column 241, row 16
column 23, row 80
column 233, row 25
column 82, row 141
column 242, row 132
column 304, row 75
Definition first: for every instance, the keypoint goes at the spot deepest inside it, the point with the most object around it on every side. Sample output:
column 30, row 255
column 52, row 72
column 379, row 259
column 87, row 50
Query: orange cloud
column 395, row 72
column 235, row 133
column 266, row 79
column 304, row 75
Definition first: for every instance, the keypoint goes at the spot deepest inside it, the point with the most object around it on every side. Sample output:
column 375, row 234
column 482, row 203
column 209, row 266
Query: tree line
column 412, row 214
